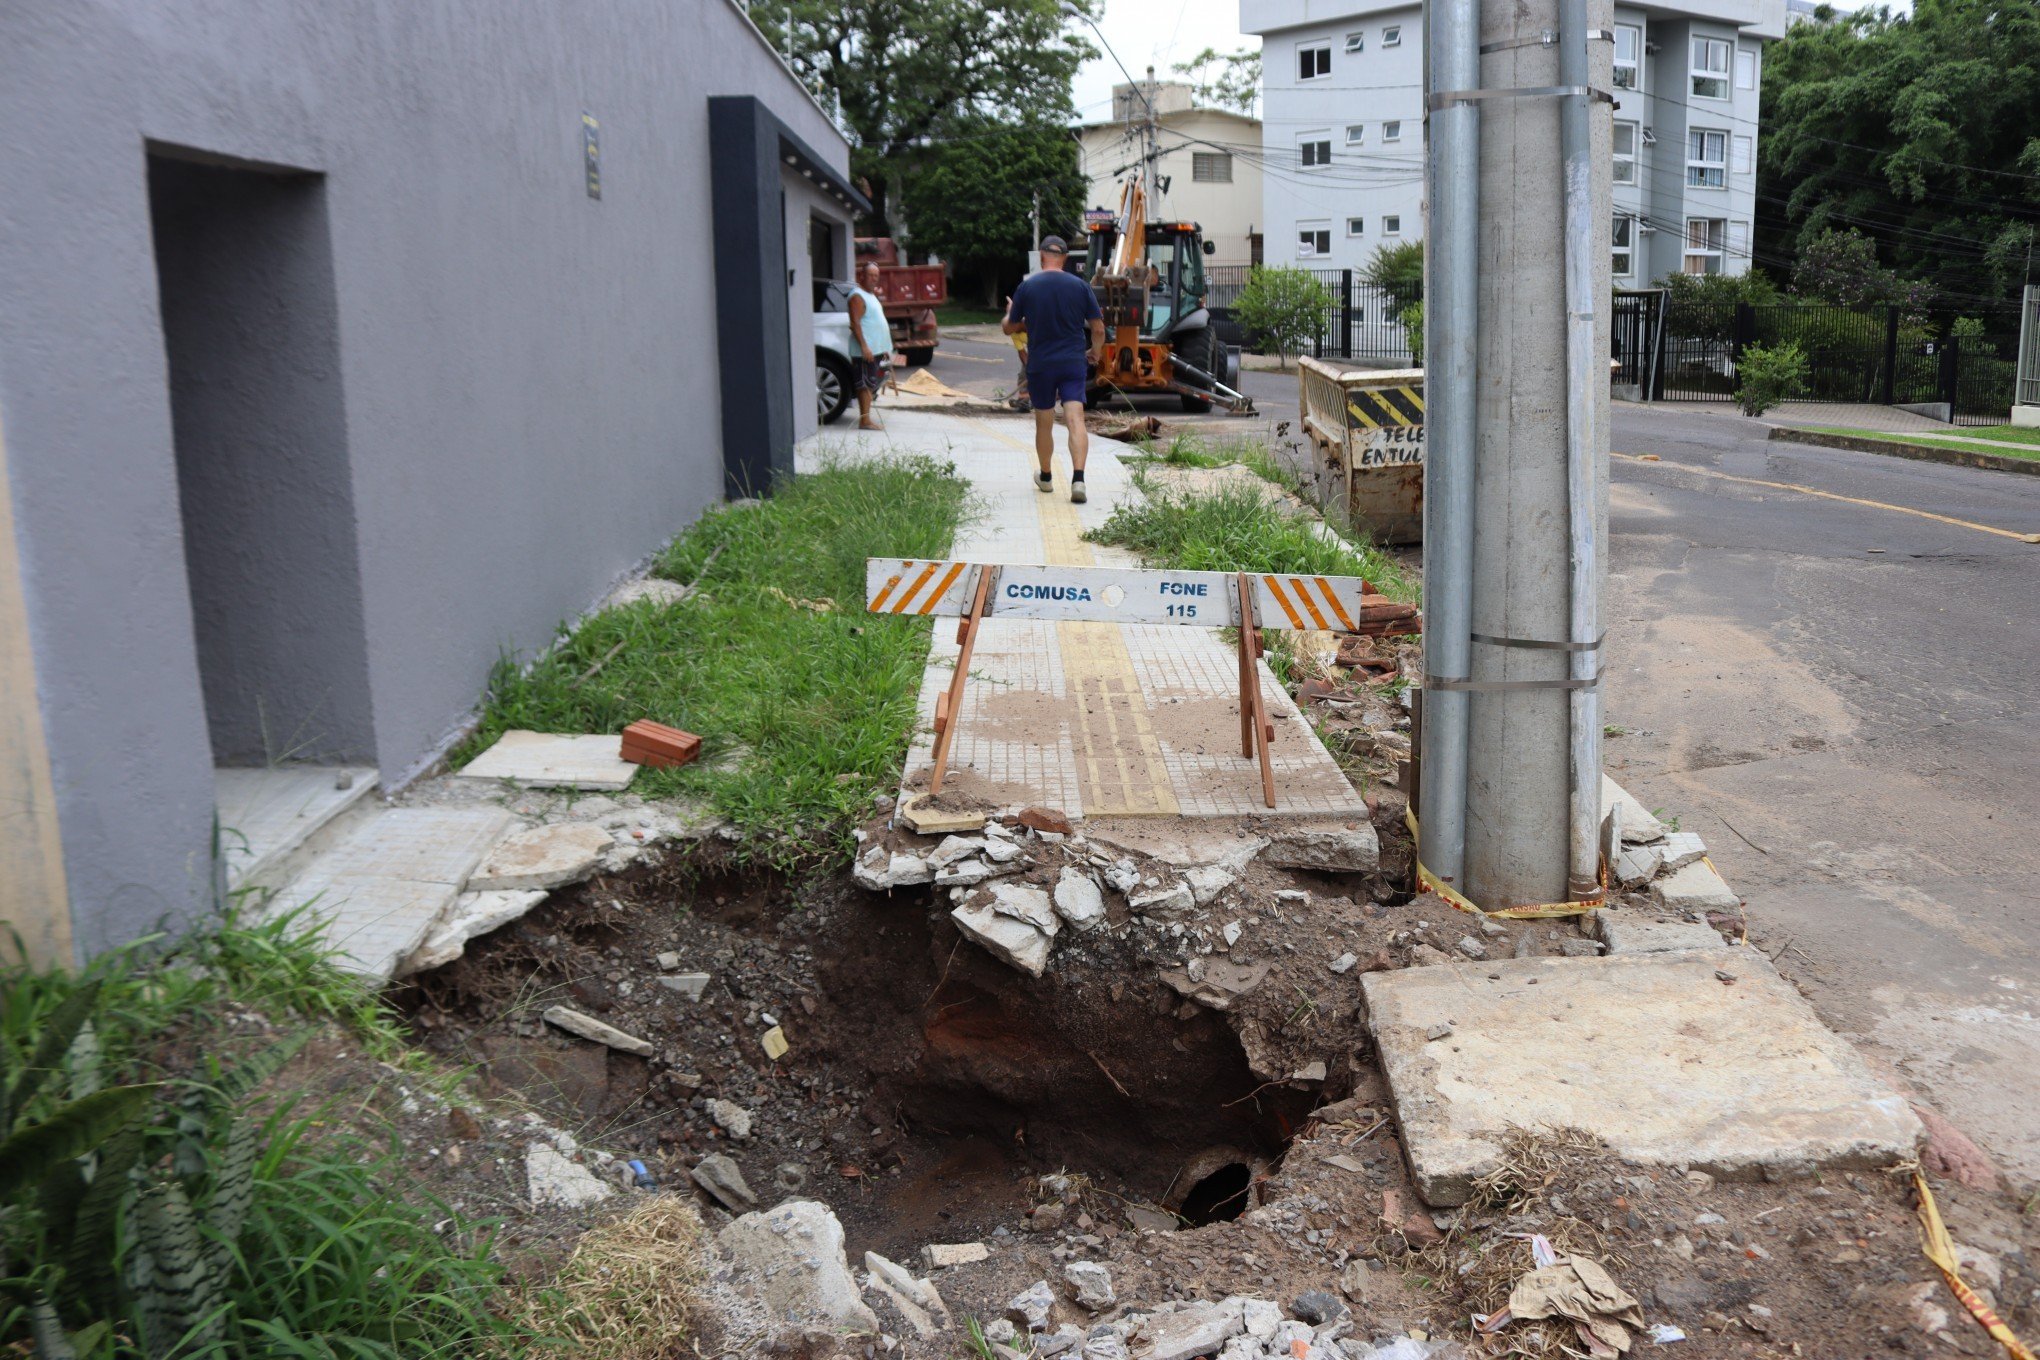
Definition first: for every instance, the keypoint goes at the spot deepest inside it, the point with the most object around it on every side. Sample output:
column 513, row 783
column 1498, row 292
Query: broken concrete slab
column 1093, row 1285
column 471, row 915
column 1193, row 1329
column 731, row 1118
column 1207, row 881
column 1636, row 865
column 543, row 857
column 1169, row 901
column 553, row 760
column 1008, row 938
column 1695, row 888
column 881, row 871
column 1328, row 847
column 921, row 813
column 917, row 1300
column 1682, row 848
column 1639, row 826
column 1079, row 901
column 551, row 1179
column 721, row 1178
column 791, row 1259
column 656, row 589
column 1650, row 1052
column 371, row 923
column 1032, row 1306
column 1624, row 932
column 688, row 985
column 1217, row 983
column 939, row 1255
column 588, row 1027
column 1024, row 902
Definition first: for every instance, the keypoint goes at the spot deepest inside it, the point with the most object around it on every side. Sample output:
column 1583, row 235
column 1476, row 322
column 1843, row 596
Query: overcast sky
column 1160, row 32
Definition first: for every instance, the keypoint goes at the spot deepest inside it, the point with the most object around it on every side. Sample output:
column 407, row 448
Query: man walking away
column 874, row 342
column 1065, row 335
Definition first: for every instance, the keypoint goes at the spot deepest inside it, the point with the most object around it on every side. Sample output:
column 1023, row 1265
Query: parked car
column 834, row 349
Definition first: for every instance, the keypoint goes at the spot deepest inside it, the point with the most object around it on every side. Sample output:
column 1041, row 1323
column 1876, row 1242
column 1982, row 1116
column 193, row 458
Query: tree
column 1923, row 130
column 907, row 77
column 1282, row 305
column 1224, row 80
column 971, row 199
column 1840, row 268
column 1397, row 269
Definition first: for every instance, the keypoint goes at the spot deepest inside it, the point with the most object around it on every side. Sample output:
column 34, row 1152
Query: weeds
column 804, row 705
column 630, row 1289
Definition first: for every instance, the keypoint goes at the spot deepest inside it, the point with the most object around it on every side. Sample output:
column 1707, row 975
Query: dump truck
column 911, row 293
column 1159, row 337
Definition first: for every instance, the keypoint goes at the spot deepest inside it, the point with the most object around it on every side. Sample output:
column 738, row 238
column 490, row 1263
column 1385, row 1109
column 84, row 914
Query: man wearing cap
column 1065, row 335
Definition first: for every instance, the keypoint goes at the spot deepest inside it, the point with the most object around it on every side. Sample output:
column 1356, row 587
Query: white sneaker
column 1044, row 481
column 1077, row 494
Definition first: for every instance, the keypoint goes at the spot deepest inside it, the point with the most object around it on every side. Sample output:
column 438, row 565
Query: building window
column 1313, row 60
column 1314, row 149
column 1625, row 152
column 1392, row 36
column 1710, row 68
column 1313, row 240
column 1211, row 167
column 1356, row 42
column 1628, row 57
column 1706, row 243
column 1391, row 131
column 1356, row 226
column 1391, row 225
column 1745, row 158
column 1356, row 133
column 1706, row 158
column 1623, row 263
column 1746, row 68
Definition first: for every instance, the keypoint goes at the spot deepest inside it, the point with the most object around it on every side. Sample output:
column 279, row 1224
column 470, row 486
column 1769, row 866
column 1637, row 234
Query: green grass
column 964, row 314
column 803, row 702
column 2008, row 433
column 1240, row 527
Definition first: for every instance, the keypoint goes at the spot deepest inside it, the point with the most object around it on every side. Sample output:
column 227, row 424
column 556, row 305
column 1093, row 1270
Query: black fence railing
column 1360, row 322
column 1684, row 351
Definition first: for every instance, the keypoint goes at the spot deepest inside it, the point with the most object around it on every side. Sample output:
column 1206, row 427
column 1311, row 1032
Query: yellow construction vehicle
column 1149, row 277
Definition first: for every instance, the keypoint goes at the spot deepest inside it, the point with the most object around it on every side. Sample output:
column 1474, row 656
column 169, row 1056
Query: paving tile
column 374, row 922
column 425, row 845
column 554, row 761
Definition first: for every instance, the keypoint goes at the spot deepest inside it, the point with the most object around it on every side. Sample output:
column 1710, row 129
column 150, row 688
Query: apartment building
column 1343, row 131
column 1208, row 171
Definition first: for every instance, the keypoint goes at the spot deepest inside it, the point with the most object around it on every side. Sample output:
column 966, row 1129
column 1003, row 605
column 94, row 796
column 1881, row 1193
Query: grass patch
column 2008, row 433
column 1240, row 527
column 964, row 314
column 804, row 704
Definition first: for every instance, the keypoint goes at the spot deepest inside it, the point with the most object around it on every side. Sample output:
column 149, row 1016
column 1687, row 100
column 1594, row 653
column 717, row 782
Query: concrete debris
column 1001, row 1332
column 1093, row 1284
column 917, row 1300
column 1682, row 848
column 940, row 1255
column 963, row 874
column 1079, row 901
column 719, row 1176
column 881, row 872
column 1292, row 897
column 668, row 960
column 1260, row 1318
column 773, row 1041
column 1472, row 948
column 791, row 1259
column 1626, row 933
column 1104, row 1344
column 473, row 914
column 1146, row 1219
column 1223, row 982
column 1192, row 1330
column 653, row 588
column 1344, row 963
column 1170, row 901
column 1636, row 865
column 554, row 760
column 688, row 985
column 1123, row 876
column 1311, row 1071
column 588, row 1027
column 1342, row 847
column 1695, row 888
column 1354, row 1282
column 551, row 1179
column 954, row 848
column 542, row 857
column 731, row 1118
column 1578, row 949
column 919, row 814
column 1031, row 1307
column 1009, row 939
column 1002, row 851
column 1639, row 827
column 1207, row 881
column 1231, row 931
column 1648, row 1051
column 1061, row 1341
column 1024, row 902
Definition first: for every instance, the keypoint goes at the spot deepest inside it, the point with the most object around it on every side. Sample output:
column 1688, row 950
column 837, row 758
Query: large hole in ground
column 932, row 1093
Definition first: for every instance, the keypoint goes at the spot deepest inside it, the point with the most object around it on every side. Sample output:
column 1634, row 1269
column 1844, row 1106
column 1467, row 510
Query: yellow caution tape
column 1430, row 882
column 1940, row 1249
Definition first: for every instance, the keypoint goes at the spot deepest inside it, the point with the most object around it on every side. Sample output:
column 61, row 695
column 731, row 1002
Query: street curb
column 1925, row 453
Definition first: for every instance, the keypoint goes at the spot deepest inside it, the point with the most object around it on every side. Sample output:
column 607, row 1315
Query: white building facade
column 1343, row 131
column 1208, row 170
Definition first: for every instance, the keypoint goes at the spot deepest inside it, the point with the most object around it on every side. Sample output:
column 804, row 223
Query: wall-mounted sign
column 591, row 152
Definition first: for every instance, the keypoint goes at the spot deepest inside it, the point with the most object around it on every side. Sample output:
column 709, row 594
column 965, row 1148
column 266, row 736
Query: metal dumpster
column 1366, row 431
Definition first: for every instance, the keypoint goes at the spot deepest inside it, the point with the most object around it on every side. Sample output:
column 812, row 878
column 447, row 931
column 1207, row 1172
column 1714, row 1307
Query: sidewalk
column 1094, row 719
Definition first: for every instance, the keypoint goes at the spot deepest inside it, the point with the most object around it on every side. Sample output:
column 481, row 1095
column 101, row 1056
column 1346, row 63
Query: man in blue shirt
column 873, row 334
column 1065, row 335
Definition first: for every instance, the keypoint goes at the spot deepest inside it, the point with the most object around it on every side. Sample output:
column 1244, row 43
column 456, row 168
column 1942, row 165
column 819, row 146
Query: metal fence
column 1359, row 323
column 2028, row 393
column 1685, row 351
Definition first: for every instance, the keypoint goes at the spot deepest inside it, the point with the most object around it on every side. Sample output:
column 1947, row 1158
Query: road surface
column 1828, row 665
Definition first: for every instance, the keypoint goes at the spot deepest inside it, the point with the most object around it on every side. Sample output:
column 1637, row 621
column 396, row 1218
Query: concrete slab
column 1654, row 1053
column 1695, row 888
column 543, row 857
column 554, row 761
column 425, row 845
column 1639, row 827
column 267, row 814
column 373, row 923
column 1624, row 932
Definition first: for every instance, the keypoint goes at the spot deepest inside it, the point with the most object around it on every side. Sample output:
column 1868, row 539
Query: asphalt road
column 1841, row 693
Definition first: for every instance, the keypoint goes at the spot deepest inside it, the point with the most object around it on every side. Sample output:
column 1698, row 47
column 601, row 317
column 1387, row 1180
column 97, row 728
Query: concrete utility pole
column 1534, row 535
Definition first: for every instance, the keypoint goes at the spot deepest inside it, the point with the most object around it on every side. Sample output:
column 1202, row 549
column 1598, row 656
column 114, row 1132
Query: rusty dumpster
column 1366, row 432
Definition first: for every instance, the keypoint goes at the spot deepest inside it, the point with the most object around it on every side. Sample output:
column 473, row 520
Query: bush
column 1765, row 377
column 1412, row 319
column 1283, row 305
column 1397, row 269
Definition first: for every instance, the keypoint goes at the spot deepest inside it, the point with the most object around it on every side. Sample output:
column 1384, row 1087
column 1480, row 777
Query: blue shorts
column 1050, row 385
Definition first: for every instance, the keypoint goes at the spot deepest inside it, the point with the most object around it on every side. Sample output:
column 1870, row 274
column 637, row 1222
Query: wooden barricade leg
column 1257, row 730
column 949, row 704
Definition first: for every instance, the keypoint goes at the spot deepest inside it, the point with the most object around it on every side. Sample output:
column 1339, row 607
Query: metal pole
column 1451, row 337
column 1584, row 450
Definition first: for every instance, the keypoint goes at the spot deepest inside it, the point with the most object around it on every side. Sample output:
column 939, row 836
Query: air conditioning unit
column 1650, row 136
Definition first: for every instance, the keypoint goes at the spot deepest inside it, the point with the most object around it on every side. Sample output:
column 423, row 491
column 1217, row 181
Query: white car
column 834, row 349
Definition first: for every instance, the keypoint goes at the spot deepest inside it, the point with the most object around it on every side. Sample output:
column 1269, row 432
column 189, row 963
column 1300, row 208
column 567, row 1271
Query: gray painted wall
column 529, row 377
